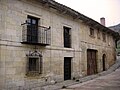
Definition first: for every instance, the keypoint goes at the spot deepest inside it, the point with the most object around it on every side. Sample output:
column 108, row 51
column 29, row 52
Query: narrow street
column 108, row 82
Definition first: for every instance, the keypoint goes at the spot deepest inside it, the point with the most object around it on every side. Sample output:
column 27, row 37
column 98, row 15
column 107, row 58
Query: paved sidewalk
column 107, row 82
column 82, row 81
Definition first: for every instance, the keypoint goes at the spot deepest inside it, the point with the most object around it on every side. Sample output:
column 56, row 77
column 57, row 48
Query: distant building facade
column 116, row 28
column 43, row 41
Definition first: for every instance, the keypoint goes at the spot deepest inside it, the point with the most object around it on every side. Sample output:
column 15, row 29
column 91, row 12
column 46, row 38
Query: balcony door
column 32, row 29
column 67, row 37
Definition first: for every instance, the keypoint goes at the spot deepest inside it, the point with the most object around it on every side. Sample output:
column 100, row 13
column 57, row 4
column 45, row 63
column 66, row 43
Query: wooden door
column 67, row 68
column 91, row 62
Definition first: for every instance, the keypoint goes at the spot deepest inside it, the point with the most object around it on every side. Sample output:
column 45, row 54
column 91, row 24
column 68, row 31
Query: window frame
column 98, row 34
column 33, row 68
column 37, row 56
column 104, row 36
column 92, row 32
column 67, row 37
column 32, row 29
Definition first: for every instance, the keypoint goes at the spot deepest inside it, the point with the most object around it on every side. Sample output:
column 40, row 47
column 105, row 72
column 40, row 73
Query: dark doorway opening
column 103, row 62
column 67, row 68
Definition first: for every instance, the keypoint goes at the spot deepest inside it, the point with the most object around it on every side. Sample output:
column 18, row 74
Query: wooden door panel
column 91, row 62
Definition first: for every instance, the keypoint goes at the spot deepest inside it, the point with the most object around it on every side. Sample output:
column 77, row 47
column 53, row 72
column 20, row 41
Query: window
column 67, row 37
column 104, row 36
column 32, row 29
column 98, row 34
column 32, row 33
column 34, row 64
column 92, row 32
column 109, row 41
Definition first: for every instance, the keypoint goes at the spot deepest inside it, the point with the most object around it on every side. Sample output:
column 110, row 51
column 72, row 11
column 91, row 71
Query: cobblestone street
column 107, row 82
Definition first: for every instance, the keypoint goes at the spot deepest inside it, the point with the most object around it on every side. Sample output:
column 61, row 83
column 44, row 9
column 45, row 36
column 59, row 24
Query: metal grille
column 34, row 63
column 35, row 35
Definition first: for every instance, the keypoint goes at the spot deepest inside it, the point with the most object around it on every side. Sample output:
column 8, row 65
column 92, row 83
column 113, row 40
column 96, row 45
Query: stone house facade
column 42, row 41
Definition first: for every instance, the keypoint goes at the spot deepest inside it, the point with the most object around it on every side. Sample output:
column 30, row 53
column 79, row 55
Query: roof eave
column 76, row 15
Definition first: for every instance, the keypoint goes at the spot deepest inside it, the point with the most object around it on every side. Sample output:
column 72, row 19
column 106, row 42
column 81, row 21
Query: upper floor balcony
column 36, row 35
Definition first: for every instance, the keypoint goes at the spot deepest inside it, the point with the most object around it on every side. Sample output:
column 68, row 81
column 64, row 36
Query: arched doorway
column 103, row 62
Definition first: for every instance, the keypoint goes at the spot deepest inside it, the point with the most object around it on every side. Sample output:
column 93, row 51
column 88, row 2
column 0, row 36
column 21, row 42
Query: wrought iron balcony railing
column 32, row 34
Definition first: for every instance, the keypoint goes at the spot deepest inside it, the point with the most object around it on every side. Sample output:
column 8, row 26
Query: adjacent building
column 43, row 41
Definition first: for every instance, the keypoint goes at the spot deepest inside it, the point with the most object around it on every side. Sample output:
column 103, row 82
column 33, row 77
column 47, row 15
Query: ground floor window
column 34, row 64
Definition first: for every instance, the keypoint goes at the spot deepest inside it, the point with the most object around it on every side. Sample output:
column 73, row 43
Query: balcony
column 36, row 35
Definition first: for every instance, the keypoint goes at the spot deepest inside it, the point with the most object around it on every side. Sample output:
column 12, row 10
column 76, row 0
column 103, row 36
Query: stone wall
column 13, row 54
column 2, row 30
